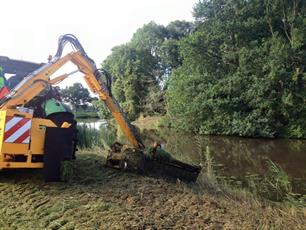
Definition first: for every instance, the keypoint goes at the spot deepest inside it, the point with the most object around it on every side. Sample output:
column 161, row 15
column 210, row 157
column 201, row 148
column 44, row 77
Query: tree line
column 243, row 70
column 238, row 69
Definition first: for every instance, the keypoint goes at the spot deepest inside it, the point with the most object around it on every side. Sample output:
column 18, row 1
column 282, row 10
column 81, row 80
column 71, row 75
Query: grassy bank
column 101, row 198
column 148, row 122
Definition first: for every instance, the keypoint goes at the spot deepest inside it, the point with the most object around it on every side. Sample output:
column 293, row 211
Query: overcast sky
column 30, row 29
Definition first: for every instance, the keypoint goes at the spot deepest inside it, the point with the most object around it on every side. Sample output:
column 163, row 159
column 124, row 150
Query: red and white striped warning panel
column 17, row 130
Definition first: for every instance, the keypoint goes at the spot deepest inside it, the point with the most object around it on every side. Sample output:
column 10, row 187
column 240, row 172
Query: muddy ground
column 103, row 198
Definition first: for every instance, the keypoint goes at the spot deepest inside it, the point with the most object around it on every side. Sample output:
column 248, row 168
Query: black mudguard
column 58, row 147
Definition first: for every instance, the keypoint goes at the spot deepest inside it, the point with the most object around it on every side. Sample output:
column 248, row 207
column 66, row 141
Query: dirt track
column 102, row 198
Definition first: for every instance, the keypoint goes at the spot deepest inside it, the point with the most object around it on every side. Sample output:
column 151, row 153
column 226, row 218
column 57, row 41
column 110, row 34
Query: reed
column 89, row 138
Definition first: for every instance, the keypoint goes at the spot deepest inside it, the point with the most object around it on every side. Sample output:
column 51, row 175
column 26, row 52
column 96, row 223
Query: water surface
column 234, row 157
column 92, row 123
column 237, row 156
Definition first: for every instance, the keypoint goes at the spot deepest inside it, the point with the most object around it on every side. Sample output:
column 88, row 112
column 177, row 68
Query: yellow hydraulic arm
column 36, row 82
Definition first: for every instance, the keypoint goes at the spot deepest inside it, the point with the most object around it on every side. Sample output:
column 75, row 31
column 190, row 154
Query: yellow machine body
column 22, row 155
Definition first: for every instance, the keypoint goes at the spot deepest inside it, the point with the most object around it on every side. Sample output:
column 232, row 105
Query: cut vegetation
column 102, row 198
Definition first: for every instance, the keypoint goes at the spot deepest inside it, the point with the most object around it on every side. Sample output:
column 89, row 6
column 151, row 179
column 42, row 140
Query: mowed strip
column 17, row 130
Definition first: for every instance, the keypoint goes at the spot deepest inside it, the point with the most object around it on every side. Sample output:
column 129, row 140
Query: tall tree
column 76, row 95
column 168, row 51
column 134, row 74
column 141, row 66
column 243, row 70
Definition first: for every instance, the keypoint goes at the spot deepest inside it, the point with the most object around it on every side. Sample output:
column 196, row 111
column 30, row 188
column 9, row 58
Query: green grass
column 67, row 170
column 96, row 197
column 276, row 183
column 88, row 137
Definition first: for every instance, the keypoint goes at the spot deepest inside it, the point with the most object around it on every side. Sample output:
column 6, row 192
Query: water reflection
column 236, row 156
column 92, row 123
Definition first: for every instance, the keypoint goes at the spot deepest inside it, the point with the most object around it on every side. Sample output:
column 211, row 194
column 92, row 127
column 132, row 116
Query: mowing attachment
column 153, row 161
